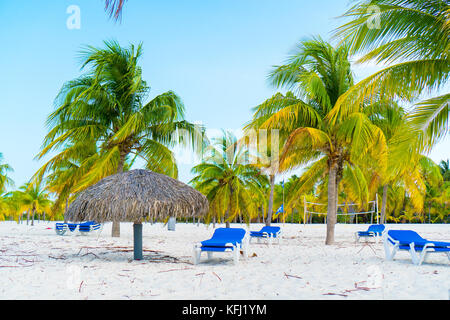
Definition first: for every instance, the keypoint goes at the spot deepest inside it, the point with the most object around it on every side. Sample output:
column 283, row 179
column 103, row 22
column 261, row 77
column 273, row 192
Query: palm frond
column 431, row 117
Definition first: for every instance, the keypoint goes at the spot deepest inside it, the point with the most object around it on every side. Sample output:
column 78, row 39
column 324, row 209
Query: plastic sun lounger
column 86, row 227
column 374, row 231
column 61, row 228
column 267, row 232
column 83, row 228
column 418, row 247
column 223, row 240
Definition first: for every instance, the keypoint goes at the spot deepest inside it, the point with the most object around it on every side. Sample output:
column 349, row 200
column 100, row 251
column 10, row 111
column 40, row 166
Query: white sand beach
column 35, row 263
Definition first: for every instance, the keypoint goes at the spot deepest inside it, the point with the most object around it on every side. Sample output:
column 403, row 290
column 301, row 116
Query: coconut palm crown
column 319, row 74
column 107, row 106
column 232, row 185
column 410, row 39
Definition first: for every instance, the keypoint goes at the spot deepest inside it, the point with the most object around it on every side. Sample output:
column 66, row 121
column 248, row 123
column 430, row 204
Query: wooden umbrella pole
column 137, row 233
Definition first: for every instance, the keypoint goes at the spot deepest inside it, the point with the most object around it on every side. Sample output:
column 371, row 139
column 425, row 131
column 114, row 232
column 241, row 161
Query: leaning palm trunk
column 384, row 203
column 65, row 209
column 270, row 206
column 332, row 204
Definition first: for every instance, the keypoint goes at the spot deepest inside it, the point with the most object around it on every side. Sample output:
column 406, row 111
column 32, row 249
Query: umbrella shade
column 136, row 195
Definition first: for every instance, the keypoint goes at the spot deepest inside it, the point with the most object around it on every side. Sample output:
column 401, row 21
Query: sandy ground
column 35, row 263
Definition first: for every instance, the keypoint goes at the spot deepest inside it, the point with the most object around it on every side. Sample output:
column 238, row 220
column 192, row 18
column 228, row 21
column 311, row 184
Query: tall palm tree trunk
column 227, row 222
column 259, row 215
column 332, row 204
column 270, row 206
column 383, row 204
column 227, row 214
column 32, row 216
column 115, row 229
column 429, row 212
column 115, row 232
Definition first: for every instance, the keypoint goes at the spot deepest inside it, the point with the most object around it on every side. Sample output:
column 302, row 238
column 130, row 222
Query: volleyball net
column 349, row 210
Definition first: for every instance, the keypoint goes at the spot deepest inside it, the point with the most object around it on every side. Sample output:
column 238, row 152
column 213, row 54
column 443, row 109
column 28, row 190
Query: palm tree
column 413, row 39
column 231, row 184
column 321, row 74
column 445, row 169
column 114, row 8
column 4, row 207
column 107, row 107
column 403, row 155
column 5, row 181
column 434, row 181
column 34, row 200
column 269, row 144
column 63, row 172
column 13, row 205
column 412, row 189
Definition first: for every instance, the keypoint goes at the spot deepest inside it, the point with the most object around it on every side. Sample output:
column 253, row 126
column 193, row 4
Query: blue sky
column 215, row 54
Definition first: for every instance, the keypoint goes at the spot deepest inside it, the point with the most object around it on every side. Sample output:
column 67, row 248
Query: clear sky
column 215, row 54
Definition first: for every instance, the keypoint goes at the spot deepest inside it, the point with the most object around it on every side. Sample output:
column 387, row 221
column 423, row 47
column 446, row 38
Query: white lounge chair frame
column 63, row 230
column 269, row 236
column 417, row 258
column 371, row 235
column 91, row 229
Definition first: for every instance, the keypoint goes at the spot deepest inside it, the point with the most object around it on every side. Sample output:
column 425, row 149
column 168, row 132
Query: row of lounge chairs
column 77, row 228
column 235, row 240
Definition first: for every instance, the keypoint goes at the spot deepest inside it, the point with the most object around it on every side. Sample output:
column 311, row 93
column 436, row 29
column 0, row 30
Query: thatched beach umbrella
column 135, row 195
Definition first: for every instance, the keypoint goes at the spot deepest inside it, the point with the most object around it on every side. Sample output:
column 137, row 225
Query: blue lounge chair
column 86, row 227
column 83, row 228
column 267, row 232
column 417, row 246
column 374, row 231
column 223, row 240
